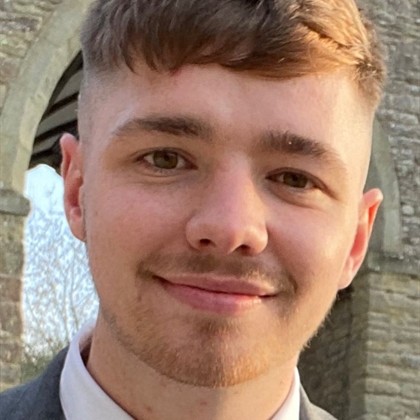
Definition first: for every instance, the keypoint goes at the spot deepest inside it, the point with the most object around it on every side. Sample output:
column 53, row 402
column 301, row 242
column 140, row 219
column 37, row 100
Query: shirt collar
column 82, row 398
column 291, row 406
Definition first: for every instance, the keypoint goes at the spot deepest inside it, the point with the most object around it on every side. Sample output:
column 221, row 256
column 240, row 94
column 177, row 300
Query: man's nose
column 230, row 216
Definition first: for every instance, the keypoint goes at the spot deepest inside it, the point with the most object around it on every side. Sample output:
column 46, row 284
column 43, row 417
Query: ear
column 369, row 206
column 72, row 173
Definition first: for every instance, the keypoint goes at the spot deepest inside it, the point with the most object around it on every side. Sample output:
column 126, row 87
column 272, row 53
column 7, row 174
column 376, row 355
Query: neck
column 145, row 394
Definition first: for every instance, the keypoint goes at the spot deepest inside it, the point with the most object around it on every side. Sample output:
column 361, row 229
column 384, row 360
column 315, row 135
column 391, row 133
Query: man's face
column 221, row 213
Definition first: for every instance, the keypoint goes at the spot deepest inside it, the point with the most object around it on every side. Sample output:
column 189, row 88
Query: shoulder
column 38, row 399
column 309, row 411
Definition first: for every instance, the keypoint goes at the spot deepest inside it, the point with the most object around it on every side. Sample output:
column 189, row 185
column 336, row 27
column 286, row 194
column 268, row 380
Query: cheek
column 312, row 250
column 123, row 227
column 313, row 247
column 129, row 222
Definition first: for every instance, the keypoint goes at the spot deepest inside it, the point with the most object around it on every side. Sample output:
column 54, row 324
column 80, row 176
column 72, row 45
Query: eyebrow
column 182, row 126
column 284, row 142
column 295, row 144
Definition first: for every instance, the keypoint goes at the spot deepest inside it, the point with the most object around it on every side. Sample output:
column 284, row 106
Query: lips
column 220, row 295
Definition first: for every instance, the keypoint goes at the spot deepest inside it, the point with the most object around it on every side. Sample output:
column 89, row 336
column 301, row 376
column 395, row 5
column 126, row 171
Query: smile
column 219, row 297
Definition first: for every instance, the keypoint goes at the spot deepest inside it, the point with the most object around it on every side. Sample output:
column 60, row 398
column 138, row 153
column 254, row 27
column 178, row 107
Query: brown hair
column 271, row 38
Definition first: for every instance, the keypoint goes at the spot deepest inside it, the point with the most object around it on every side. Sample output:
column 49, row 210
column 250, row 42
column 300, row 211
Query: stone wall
column 398, row 25
column 392, row 349
column 13, row 210
column 391, row 283
column 38, row 39
column 20, row 23
column 364, row 363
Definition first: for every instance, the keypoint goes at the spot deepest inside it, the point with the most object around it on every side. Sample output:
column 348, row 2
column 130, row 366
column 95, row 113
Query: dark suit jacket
column 40, row 400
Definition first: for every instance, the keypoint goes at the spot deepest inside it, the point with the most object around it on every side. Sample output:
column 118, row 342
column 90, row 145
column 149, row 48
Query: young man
column 218, row 184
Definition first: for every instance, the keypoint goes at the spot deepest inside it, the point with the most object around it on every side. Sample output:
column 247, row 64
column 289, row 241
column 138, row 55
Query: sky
column 58, row 294
column 44, row 187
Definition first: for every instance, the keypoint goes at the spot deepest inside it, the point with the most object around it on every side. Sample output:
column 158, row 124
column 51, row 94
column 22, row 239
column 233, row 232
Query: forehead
column 226, row 98
column 204, row 87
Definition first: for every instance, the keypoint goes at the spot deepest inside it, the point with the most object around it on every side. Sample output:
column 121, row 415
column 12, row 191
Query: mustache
column 240, row 267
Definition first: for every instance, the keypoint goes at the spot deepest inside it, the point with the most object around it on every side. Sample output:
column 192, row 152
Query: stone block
column 382, row 387
column 412, row 361
column 10, row 351
column 10, row 289
column 382, row 371
column 10, row 320
column 411, row 390
column 11, row 245
column 3, row 92
column 36, row 7
column 19, row 24
column 14, row 46
column 9, row 67
column 13, row 203
column 411, row 408
column 380, row 404
column 9, row 374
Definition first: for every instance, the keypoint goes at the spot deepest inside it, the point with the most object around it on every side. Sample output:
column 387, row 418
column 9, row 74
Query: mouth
column 223, row 296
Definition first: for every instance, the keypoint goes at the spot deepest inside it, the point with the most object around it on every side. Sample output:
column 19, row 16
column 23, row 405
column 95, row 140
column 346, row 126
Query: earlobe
column 72, row 173
column 368, row 209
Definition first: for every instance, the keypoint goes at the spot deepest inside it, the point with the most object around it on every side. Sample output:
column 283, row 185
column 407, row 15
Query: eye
column 294, row 180
column 165, row 160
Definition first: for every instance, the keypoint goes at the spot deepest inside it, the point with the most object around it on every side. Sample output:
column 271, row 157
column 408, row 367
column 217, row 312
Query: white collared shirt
column 82, row 398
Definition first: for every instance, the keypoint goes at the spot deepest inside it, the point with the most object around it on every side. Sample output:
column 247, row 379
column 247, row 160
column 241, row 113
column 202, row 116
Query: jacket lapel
column 309, row 411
